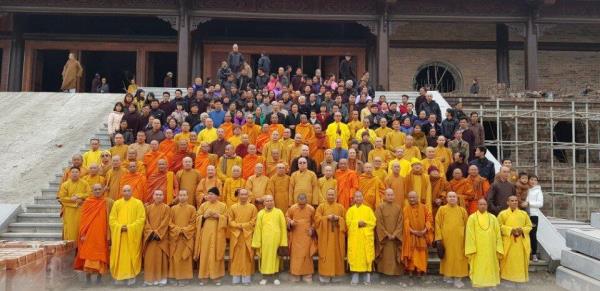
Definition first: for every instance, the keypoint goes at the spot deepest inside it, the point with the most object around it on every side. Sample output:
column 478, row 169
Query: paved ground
column 541, row 281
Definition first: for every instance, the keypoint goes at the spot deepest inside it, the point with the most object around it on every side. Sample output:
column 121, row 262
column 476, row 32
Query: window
column 437, row 76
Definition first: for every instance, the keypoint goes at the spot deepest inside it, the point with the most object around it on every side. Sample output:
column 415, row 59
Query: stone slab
column 8, row 214
column 581, row 263
column 584, row 241
column 571, row 280
column 595, row 219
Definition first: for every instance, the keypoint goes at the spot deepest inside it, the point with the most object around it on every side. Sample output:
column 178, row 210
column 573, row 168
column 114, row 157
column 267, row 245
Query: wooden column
column 141, row 68
column 183, row 49
column 383, row 48
column 17, row 52
column 531, row 50
column 502, row 55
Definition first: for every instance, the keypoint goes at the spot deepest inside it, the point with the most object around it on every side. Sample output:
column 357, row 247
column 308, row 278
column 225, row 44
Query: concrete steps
column 35, row 227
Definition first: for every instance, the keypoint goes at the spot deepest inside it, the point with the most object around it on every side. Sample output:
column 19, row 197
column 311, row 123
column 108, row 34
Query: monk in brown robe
column 395, row 182
column 460, row 185
column 188, row 179
column 241, row 218
column 331, row 231
column 279, row 188
column 257, row 185
column 275, row 160
column 71, row 74
column 181, row 234
column 156, row 241
column 135, row 179
column 417, row 235
column 113, row 179
column 479, row 188
column 250, row 161
column 389, row 236
column 302, row 243
column 211, row 180
column 347, row 183
column 439, row 187
column 163, row 180
column 304, row 181
column 204, row 159
column 152, row 157
column 210, row 238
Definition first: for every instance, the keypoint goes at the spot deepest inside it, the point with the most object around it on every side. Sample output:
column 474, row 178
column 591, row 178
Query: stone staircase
column 41, row 220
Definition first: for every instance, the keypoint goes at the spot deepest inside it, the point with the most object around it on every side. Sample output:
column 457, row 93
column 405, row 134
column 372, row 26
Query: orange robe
column 372, row 189
column 205, row 185
column 227, row 128
column 414, row 249
column 439, row 188
column 137, row 181
column 167, row 146
column 396, row 183
column 182, row 230
column 279, row 188
column 302, row 246
column 253, row 131
column 151, row 159
column 241, row 221
column 347, row 186
column 203, row 160
column 113, row 183
column 92, row 253
column 176, row 160
column 317, row 147
column 331, row 239
column 156, row 252
column 306, row 130
column 165, row 182
column 188, row 180
column 276, row 127
column 271, row 167
column 261, row 141
column 479, row 189
column 463, row 190
column 248, row 164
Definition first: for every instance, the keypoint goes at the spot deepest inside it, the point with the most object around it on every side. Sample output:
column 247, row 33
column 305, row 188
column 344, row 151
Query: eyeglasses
column 301, row 162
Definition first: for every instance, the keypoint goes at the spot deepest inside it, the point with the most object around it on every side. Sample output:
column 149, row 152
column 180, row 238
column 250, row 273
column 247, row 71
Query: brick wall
column 445, row 31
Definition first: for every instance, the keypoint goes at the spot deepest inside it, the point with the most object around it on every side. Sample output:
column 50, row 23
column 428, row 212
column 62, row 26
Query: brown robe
column 156, row 252
column 302, row 246
column 241, row 220
column 210, row 241
column 279, row 188
column 188, row 180
column 181, row 234
column 389, row 251
column 332, row 239
column 72, row 72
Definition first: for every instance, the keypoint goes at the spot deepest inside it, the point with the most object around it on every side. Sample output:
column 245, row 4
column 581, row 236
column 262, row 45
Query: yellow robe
column 270, row 233
column 304, row 182
column 71, row 211
column 483, row 245
column 210, row 240
column 450, row 223
column 380, row 173
column 434, row 162
column 126, row 247
column 339, row 130
column 384, row 154
column 92, row 157
column 225, row 165
column 257, row 186
column 92, row 180
column 394, row 140
column 354, row 126
column 383, row 132
column 324, row 185
column 241, row 219
column 279, row 188
column 372, row 135
column 268, row 149
column 514, row 265
column 372, row 189
column 412, row 152
column 229, row 188
column 120, row 151
column 207, row 135
column 444, row 154
column 361, row 240
column 404, row 166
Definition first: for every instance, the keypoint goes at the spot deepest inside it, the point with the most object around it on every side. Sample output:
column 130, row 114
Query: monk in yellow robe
column 295, row 149
column 410, row 150
column 431, row 160
column 302, row 243
column 140, row 146
column 418, row 180
column 241, row 219
column 251, row 129
column 371, row 187
column 113, row 179
column 347, row 183
column 257, row 185
column 396, row 182
column 274, row 143
column 132, row 157
column 443, row 153
column 279, row 188
column 269, row 235
column 330, row 227
column 483, row 247
column 168, row 146
column 479, row 188
column 360, row 221
column 156, row 241
column 275, row 160
column 450, row 224
column 366, row 130
column 120, row 148
column 93, row 237
column 439, row 188
column 204, row 159
column 379, row 170
column 326, row 182
column 77, row 162
column 395, row 138
column 188, row 179
column 460, row 185
column 405, row 165
column 337, row 129
column 126, row 220
column 163, row 180
column 515, row 226
column 135, row 179
column 182, row 229
column 304, row 181
column 383, row 129
column 210, row 238
column 93, row 155
column 232, row 184
column 287, row 139
column 417, row 235
column 389, row 236
column 152, row 157
column 71, row 196
column 227, row 162
column 380, row 151
column 184, row 134
column 210, row 181
column 93, row 176
column 250, row 161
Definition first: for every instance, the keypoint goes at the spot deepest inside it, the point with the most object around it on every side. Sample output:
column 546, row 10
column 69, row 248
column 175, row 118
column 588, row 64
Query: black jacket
column 265, row 63
column 486, row 168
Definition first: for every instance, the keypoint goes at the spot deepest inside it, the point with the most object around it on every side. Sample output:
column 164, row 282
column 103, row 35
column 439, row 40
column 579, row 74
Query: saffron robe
column 361, row 240
column 396, row 183
column 302, row 246
column 372, row 189
column 317, row 146
column 126, row 246
column 229, row 187
column 182, row 229
column 414, row 249
column 119, row 150
column 389, row 251
column 137, row 181
column 156, row 252
column 113, row 183
column 241, row 219
column 249, row 163
column 253, row 131
column 479, row 188
column 188, row 180
column 419, row 183
column 331, row 243
column 269, row 234
column 514, row 265
column 210, row 240
column 450, row 224
column 394, row 140
column 165, row 182
column 92, row 252
column 225, row 166
column 279, row 188
column 203, row 160
column 71, row 210
column 205, row 185
column 483, row 246
column 462, row 189
column 347, row 186
column 324, row 185
column 151, row 159
column 439, row 189
column 257, row 186
column 304, row 182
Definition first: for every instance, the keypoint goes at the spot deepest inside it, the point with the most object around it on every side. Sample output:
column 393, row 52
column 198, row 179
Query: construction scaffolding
column 557, row 141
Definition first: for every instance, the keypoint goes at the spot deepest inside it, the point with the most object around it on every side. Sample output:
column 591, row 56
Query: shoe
column 147, row 284
column 201, row 283
column 263, row 282
column 534, row 258
column 459, row 284
column 218, row 284
column 276, row 282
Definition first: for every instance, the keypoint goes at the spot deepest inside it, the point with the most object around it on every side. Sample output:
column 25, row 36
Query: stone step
column 39, row 217
column 580, row 263
column 25, row 236
column 49, row 192
column 43, row 208
column 571, row 280
column 35, row 227
column 45, row 200
column 584, row 241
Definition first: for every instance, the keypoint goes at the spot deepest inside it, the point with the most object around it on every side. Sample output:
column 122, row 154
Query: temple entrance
column 115, row 66
column 48, row 70
column 159, row 64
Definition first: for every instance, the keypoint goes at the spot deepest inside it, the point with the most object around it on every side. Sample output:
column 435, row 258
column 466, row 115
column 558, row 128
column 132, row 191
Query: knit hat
column 214, row 190
column 431, row 169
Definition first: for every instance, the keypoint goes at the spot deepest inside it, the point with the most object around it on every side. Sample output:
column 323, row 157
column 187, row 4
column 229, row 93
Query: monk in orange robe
column 182, row 230
column 250, row 161
column 318, row 144
column 204, row 158
column 279, row 188
column 417, row 235
column 135, row 179
column 461, row 186
column 439, row 188
column 371, row 187
column 275, row 125
column 176, row 160
column 152, row 157
column 347, row 183
column 275, row 160
column 263, row 138
column 188, row 179
column 251, row 129
column 395, row 181
column 132, row 157
column 92, row 245
column 156, row 241
column 302, row 246
column 113, row 179
column 168, row 145
column 479, row 188
column 163, row 180
column 210, row 181
column 305, row 129
column 227, row 126
column 77, row 162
